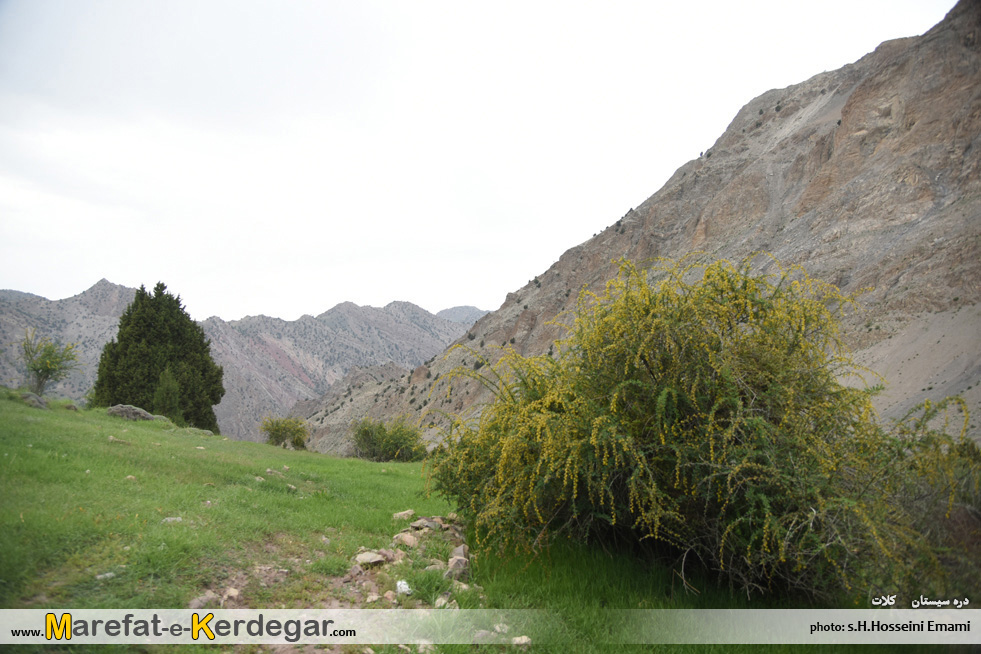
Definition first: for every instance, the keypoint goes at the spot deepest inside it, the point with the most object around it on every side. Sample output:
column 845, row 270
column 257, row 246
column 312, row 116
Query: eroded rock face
column 868, row 176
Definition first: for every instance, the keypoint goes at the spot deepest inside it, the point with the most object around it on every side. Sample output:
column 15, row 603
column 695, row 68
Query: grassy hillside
column 72, row 512
column 281, row 527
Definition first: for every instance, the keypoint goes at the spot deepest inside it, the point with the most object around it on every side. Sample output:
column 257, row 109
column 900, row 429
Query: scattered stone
column 130, row 478
column 199, row 447
column 113, row 439
column 372, row 598
column 390, row 596
column 402, row 587
column 452, row 517
column 71, row 407
column 35, row 401
column 404, row 515
column 484, row 637
column 259, row 479
column 436, row 565
column 393, row 556
column 172, row 519
column 369, row 558
column 291, row 487
column 230, row 595
column 129, row 412
column 456, row 535
column 426, row 523
column 425, row 647
column 207, row 503
column 404, row 648
column 325, row 540
column 524, row 641
column 286, row 468
column 202, row 601
column 462, row 551
column 87, row 471
column 406, row 539
column 457, row 568
column 355, row 571
column 501, row 628
column 106, row 575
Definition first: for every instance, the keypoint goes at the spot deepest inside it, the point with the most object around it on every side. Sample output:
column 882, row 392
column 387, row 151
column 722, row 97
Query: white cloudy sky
column 281, row 157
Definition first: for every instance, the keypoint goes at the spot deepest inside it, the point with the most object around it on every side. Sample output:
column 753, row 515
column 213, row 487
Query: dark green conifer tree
column 167, row 397
column 155, row 332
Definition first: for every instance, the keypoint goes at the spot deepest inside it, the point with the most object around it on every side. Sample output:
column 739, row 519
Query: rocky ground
column 375, row 579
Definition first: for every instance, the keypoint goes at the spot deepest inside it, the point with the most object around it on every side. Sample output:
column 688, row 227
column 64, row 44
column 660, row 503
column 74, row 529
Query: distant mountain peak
column 465, row 315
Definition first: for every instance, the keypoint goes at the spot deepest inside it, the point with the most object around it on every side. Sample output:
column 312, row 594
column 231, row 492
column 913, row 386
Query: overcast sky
column 281, row 157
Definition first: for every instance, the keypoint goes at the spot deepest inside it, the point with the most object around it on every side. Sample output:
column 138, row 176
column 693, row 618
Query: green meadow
column 86, row 498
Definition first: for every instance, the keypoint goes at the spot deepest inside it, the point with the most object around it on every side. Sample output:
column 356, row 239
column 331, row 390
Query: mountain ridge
column 868, row 176
column 269, row 363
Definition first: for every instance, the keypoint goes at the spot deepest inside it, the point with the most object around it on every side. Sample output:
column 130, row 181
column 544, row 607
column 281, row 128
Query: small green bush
column 397, row 441
column 704, row 413
column 46, row 361
column 285, row 432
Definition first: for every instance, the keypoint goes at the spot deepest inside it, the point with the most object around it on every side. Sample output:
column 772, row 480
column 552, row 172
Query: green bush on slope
column 397, row 441
column 704, row 412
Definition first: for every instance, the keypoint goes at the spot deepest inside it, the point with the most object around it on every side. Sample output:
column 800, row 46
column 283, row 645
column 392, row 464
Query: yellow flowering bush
column 704, row 411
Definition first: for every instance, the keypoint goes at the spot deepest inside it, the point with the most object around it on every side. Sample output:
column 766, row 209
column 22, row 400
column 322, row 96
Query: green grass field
column 85, row 497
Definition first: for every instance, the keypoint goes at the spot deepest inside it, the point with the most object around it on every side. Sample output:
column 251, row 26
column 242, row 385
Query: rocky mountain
column 269, row 363
column 867, row 176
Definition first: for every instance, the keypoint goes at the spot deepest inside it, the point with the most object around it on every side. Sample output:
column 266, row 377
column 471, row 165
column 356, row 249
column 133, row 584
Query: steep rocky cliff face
column 868, row 176
column 269, row 364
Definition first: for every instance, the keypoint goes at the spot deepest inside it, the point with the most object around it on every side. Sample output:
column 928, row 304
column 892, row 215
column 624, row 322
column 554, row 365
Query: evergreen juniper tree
column 156, row 333
column 167, row 397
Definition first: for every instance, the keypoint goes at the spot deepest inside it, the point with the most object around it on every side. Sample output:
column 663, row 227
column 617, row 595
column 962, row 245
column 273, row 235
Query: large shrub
column 705, row 412
column 397, row 441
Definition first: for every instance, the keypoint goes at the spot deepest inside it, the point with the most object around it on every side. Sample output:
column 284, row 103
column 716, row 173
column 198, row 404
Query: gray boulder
column 129, row 412
column 36, row 401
